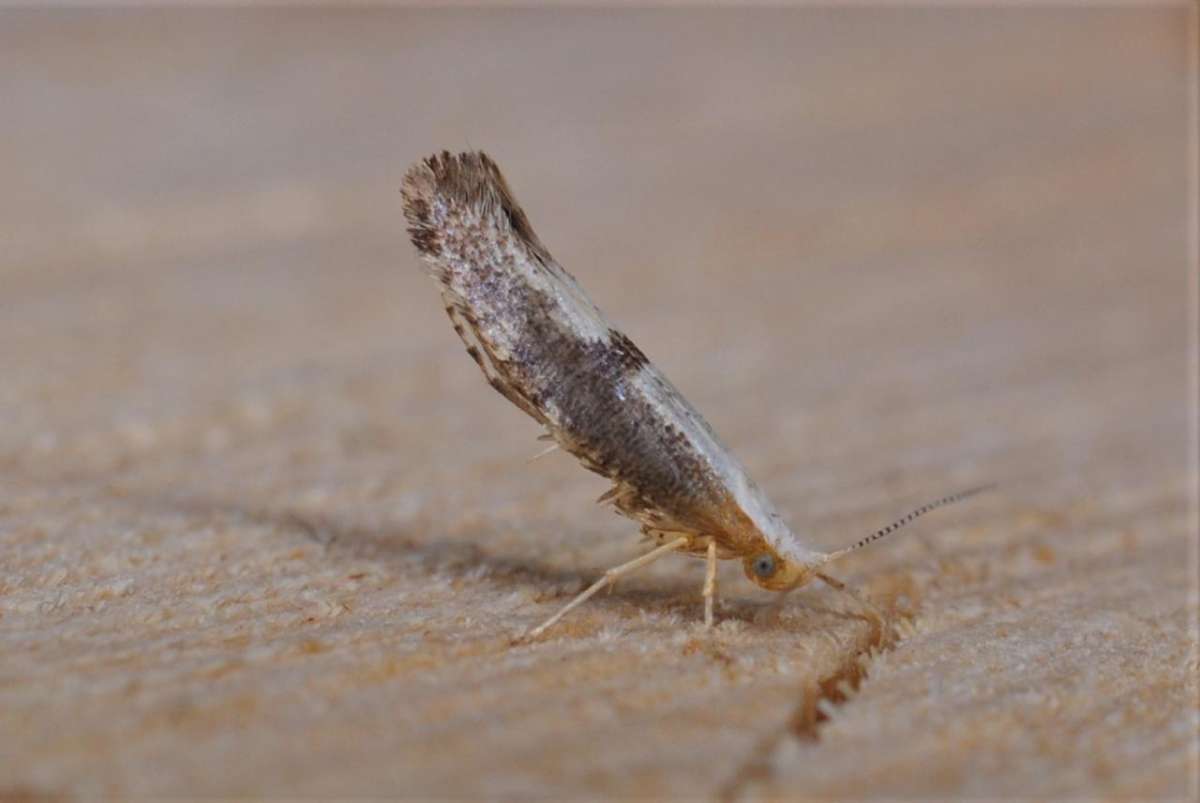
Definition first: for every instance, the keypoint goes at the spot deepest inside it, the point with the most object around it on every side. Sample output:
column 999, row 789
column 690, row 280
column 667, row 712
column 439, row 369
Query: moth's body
column 545, row 346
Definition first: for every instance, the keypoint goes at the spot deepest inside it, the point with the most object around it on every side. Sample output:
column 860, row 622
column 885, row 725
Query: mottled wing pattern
column 481, row 249
column 545, row 346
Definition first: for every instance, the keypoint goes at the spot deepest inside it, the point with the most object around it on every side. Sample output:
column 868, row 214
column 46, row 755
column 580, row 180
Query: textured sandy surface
column 264, row 530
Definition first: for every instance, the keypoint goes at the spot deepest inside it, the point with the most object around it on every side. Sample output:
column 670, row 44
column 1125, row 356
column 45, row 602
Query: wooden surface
column 264, row 530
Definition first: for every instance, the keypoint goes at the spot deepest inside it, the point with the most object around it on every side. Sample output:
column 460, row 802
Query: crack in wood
column 817, row 701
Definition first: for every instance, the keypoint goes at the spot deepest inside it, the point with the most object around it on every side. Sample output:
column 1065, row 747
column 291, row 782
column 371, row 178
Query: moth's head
column 772, row 571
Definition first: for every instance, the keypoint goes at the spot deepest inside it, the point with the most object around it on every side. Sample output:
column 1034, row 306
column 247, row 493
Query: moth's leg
column 543, row 453
column 710, row 583
column 832, row 582
column 773, row 609
column 873, row 613
column 609, row 577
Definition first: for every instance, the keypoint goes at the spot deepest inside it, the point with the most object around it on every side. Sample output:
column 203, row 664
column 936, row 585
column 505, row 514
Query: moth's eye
column 764, row 566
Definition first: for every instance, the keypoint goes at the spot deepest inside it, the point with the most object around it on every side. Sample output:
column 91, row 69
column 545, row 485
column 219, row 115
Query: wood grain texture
column 264, row 530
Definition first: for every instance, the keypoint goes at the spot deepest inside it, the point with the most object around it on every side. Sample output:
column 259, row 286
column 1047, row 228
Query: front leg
column 874, row 615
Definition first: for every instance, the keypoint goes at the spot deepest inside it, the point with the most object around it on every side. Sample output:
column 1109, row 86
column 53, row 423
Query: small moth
column 543, row 345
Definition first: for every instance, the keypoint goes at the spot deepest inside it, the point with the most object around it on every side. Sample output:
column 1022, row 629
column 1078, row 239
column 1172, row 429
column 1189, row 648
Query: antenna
column 921, row 511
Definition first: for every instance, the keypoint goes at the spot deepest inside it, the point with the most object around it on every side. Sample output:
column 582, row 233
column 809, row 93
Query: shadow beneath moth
column 543, row 345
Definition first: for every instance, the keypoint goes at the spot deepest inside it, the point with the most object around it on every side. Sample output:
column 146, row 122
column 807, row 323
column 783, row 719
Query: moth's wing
column 482, row 354
column 499, row 283
column 474, row 237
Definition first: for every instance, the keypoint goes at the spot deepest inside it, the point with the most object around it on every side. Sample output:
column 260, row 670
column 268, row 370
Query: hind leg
column 609, row 577
column 710, row 583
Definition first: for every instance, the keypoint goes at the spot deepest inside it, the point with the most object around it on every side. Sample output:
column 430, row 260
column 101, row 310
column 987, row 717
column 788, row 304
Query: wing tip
column 469, row 181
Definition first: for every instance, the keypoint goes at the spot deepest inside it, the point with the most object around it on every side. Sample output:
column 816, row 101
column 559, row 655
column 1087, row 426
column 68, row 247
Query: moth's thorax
column 763, row 517
column 761, row 532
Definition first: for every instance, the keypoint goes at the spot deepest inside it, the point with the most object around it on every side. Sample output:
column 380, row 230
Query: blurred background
column 889, row 253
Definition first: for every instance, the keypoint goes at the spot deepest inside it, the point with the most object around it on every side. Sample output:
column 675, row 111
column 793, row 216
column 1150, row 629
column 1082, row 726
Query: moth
column 544, row 346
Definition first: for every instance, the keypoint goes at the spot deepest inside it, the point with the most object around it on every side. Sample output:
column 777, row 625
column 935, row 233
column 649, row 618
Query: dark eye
column 764, row 566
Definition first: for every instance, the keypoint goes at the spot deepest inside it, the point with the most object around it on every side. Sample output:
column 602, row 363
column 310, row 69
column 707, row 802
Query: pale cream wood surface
column 265, row 531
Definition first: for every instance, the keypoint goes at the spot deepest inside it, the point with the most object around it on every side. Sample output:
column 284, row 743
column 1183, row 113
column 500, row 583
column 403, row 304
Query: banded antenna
column 916, row 514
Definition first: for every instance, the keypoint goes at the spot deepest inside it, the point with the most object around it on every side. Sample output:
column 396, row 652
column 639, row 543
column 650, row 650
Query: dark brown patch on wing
column 423, row 233
column 630, row 355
